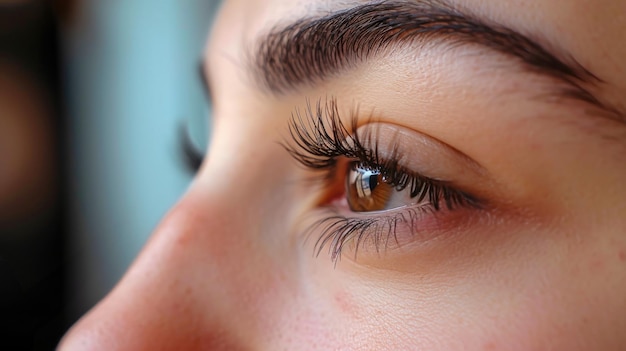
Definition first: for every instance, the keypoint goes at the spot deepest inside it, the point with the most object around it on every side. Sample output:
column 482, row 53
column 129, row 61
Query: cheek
column 568, row 299
column 543, row 291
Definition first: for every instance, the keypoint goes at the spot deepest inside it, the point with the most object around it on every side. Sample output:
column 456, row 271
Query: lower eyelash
column 337, row 230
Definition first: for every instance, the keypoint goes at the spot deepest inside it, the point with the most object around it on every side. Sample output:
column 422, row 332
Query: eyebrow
column 312, row 49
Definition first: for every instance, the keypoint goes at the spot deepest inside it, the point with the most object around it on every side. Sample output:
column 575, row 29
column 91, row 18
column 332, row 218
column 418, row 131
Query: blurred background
column 95, row 98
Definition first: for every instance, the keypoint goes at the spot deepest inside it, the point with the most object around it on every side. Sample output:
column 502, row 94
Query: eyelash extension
column 320, row 139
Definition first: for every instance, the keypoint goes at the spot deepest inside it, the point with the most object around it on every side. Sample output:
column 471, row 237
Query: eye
column 386, row 187
column 383, row 186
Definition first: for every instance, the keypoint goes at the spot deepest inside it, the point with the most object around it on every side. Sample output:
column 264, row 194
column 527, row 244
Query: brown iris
column 366, row 190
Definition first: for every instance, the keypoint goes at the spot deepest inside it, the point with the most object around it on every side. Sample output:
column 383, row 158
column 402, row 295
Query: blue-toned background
column 132, row 80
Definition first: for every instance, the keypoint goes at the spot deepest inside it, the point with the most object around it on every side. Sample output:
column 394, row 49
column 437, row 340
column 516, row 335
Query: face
column 395, row 176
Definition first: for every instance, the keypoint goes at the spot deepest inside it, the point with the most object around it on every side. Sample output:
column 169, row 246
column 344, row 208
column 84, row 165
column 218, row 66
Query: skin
column 542, row 267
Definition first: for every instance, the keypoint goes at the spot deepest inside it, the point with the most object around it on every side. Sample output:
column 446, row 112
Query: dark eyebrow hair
column 311, row 50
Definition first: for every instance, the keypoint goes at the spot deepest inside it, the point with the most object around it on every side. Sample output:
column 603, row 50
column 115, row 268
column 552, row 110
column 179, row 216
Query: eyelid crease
column 396, row 137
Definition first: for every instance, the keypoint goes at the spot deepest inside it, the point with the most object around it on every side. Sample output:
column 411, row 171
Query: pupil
column 373, row 181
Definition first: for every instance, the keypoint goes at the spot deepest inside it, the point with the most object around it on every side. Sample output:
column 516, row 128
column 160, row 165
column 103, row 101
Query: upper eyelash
column 321, row 148
column 320, row 138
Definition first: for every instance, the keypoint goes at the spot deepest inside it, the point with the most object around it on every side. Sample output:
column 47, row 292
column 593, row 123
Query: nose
column 204, row 281
column 155, row 305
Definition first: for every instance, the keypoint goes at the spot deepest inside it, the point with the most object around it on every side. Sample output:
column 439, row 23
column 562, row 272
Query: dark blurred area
column 92, row 98
column 33, row 200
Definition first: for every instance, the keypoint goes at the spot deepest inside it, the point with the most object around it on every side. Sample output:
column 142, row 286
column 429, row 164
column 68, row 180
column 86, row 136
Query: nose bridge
column 203, row 276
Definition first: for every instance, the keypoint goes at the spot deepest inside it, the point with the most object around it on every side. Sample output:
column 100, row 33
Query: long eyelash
column 340, row 230
column 316, row 146
column 320, row 139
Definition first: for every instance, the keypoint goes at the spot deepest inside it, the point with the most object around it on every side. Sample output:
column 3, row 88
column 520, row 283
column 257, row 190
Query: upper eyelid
column 322, row 134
